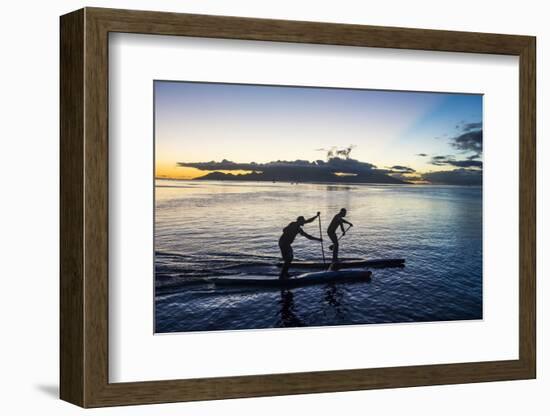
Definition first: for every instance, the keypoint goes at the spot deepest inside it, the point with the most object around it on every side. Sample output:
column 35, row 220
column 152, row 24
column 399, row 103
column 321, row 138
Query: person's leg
column 335, row 253
column 288, row 255
column 334, row 238
column 284, row 270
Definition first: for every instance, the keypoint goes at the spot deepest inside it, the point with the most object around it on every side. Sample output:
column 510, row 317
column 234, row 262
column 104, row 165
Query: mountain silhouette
column 334, row 170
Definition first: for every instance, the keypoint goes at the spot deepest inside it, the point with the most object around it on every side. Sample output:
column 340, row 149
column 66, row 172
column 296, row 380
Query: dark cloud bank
column 334, row 170
column 466, row 171
column 454, row 177
column 469, row 171
column 471, row 141
column 451, row 161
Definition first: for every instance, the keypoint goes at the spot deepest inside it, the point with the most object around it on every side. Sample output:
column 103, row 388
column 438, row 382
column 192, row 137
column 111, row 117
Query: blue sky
column 198, row 122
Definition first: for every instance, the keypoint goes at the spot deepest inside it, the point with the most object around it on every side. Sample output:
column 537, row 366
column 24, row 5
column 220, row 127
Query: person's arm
column 309, row 237
column 313, row 218
column 347, row 222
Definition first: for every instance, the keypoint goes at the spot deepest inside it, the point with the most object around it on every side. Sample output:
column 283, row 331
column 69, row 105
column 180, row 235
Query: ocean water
column 209, row 229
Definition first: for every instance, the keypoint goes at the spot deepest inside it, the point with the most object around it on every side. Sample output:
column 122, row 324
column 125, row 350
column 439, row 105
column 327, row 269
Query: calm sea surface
column 215, row 229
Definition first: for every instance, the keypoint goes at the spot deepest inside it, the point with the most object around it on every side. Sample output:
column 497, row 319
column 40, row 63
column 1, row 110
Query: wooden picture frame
column 84, row 207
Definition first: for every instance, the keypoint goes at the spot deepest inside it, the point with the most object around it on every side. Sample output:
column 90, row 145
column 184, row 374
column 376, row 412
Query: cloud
column 402, row 169
column 303, row 170
column 466, row 163
column 471, row 126
column 470, row 138
column 334, row 165
column 349, row 166
column 422, row 154
column 463, row 126
column 450, row 160
column 471, row 141
column 455, row 177
column 440, row 160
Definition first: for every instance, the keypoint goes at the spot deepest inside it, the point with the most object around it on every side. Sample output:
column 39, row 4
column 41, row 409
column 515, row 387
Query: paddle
column 331, row 247
column 321, row 237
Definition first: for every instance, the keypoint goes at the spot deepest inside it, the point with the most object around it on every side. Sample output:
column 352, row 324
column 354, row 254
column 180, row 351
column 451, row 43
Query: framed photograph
column 255, row 207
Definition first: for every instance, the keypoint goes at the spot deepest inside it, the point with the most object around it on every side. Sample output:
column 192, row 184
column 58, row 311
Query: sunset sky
column 203, row 122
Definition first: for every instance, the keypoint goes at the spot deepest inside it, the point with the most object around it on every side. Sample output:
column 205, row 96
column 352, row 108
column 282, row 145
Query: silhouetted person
column 337, row 221
column 285, row 241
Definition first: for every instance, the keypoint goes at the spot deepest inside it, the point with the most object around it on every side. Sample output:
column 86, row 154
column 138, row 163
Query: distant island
column 334, row 170
column 300, row 177
column 463, row 172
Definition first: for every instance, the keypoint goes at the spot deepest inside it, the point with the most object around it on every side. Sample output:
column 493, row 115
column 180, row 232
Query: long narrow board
column 297, row 281
column 376, row 263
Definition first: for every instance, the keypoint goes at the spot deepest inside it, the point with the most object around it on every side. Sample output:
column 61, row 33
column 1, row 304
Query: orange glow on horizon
column 172, row 171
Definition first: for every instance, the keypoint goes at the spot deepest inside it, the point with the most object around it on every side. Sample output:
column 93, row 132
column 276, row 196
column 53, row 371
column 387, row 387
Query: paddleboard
column 304, row 279
column 375, row 263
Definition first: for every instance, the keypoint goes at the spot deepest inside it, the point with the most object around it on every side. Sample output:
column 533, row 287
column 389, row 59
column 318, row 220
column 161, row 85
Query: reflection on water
column 207, row 229
column 288, row 317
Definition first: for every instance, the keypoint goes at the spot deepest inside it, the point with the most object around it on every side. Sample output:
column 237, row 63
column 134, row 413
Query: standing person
column 337, row 221
column 285, row 241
